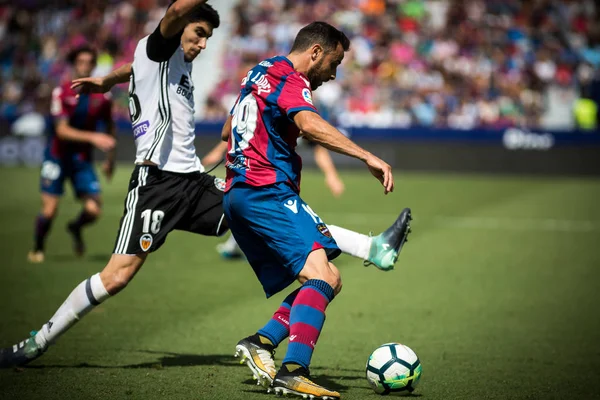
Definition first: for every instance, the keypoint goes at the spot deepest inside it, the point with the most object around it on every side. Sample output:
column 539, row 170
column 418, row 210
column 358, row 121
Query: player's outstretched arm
column 325, row 164
column 105, row 83
column 175, row 17
column 320, row 131
column 102, row 141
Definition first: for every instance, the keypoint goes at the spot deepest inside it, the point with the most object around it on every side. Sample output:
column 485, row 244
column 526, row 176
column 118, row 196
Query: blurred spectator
column 437, row 63
column 457, row 63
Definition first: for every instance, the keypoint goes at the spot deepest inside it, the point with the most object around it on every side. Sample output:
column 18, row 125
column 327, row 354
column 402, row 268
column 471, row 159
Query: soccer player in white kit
column 168, row 188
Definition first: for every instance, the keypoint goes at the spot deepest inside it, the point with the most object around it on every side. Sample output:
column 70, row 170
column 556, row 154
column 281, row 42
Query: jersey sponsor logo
column 220, row 184
column 307, row 96
column 140, row 129
column 146, row 241
column 266, row 64
column 324, row 230
column 292, row 205
column 185, row 88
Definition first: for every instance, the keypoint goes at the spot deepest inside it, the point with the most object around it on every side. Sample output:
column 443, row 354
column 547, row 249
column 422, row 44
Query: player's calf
column 120, row 270
column 43, row 224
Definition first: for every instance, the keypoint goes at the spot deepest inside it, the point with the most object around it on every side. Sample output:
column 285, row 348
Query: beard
column 314, row 75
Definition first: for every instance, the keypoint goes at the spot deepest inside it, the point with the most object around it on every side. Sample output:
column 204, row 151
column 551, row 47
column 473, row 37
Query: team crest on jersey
column 307, row 96
column 324, row 230
column 146, row 241
column 220, row 184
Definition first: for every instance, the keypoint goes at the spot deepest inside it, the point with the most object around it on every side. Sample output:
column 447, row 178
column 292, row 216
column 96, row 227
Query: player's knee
column 93, row 208
column 119, row 272
column 332, row 276
column 49, row 209
column 336, row 279
column 49, row 212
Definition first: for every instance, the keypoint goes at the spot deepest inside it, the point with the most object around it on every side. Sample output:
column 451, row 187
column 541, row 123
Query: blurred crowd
column 35, row 36
column 442, row 63
column 445, row 63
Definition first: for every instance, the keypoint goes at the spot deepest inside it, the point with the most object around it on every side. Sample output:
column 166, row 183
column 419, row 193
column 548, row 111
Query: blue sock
column 278, row 328
column 306, row 321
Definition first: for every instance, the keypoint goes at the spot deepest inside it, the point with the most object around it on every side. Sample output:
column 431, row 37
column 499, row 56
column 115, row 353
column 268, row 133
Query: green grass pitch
column 497, row 291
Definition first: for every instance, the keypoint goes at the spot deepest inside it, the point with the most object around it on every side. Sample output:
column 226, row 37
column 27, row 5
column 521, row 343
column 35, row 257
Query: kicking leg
column 381, row 250
column 43, row 223
column 230, row 249
column 91, row 292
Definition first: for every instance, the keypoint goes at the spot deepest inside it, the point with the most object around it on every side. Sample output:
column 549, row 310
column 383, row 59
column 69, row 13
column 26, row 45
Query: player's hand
column 103, row 142
column 335, row 185
column 382, row 171
column 108, row 168
column 90, row 85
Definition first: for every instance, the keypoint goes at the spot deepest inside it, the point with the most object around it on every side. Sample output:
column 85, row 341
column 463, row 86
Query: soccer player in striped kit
column 282, row 237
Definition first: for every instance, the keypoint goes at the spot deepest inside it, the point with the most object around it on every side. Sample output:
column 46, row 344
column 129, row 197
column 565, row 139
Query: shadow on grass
column 339, row 379
column 167, row 360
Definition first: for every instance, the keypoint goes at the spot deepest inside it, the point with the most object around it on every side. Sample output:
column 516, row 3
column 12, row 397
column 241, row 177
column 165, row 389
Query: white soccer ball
column 393, row 367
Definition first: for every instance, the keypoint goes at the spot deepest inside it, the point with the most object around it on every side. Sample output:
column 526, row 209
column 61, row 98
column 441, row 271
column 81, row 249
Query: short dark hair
column 73, row 54
column 205, row 12
column 320, row 33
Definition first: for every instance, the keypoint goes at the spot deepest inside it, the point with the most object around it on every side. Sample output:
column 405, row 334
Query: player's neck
column 300, row 62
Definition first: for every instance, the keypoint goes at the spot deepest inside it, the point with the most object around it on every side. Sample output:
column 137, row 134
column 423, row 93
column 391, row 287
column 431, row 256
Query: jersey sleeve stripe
column 296, row 109
column 165, row 108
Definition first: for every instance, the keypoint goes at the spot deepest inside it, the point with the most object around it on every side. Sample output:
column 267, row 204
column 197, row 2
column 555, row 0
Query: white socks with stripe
column 350, row 242
column 86, row 296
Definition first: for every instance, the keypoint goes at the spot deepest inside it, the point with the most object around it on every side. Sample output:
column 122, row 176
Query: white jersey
column 161, row 104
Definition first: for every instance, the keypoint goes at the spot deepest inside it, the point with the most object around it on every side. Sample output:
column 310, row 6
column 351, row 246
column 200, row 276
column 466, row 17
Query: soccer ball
column 393, row 367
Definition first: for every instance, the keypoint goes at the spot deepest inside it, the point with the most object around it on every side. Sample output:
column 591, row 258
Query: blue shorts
column 277, row 231
column 80, row 173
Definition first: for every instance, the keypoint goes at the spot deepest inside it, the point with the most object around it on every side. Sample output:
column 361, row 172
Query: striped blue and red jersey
column 84, row 113
column 262, row 143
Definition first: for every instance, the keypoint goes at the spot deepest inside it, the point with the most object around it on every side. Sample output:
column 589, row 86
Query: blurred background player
column 69, row 153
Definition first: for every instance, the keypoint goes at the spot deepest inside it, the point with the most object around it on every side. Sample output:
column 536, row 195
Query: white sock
column 350, row 242
column 231, row 245
column 86, row 296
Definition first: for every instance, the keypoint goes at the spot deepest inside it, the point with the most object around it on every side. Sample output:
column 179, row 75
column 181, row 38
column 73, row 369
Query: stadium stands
column 444, row 63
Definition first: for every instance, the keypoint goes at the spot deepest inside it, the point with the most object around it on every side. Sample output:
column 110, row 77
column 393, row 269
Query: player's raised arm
column 320, row 131
column 105, row 83
column 175, row 18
